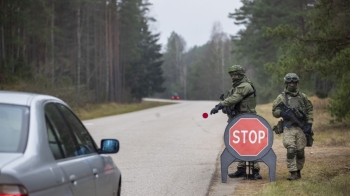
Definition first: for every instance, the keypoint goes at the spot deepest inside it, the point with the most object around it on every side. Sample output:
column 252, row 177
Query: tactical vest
column 248, row 103
column 297, row 102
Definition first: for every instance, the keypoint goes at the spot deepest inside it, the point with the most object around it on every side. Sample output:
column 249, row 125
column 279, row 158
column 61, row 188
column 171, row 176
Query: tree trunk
column 53, row 45
column 3, row 35
column 110, row 51
column 102, row 43
column 79, row 49
column 117, row 70
column 106, row 52
column 3, row 42
column 95, row 54
column 18, row 39
column 87, row 50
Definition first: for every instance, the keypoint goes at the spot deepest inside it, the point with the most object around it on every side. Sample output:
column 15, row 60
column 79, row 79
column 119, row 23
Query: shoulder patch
column 239, row 89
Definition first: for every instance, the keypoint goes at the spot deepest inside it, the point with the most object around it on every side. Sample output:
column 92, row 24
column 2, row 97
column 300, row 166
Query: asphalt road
column 168, row 150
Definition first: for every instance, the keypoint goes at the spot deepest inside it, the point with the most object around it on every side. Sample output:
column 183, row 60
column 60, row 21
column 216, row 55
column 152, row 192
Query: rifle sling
column 249, row 94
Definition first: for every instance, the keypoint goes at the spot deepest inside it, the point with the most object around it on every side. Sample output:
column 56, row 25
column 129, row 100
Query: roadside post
column 248, row 137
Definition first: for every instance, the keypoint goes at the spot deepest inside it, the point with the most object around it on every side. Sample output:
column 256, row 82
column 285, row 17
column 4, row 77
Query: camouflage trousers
column 295, row 138
column 241, row 164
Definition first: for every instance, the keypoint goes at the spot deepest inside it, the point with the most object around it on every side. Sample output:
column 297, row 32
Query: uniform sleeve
column 276, row 110
column 238, row 95
column 309, row 110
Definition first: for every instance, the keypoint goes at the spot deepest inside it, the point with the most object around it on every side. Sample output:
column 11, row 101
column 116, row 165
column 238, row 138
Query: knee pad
column 300, row 154
column 290, row 153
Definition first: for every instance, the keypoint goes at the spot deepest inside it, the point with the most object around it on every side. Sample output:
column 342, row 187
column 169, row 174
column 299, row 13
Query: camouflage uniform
column 241, row 99
column 294, row 139
column 235, row 97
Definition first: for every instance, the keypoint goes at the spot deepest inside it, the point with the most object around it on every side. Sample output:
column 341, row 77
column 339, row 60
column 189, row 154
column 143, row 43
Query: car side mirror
column 109, row 146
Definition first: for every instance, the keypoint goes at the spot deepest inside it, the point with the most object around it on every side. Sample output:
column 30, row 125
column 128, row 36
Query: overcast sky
column 193, row 19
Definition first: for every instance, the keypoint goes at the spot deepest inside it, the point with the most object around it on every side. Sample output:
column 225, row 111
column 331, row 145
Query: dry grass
column 327, row 167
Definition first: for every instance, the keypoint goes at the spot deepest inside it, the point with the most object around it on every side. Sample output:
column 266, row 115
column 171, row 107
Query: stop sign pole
column 248, row 137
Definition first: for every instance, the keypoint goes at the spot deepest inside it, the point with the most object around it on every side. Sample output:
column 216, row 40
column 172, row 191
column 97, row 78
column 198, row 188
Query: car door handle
column 95, row 171
column 73, row 179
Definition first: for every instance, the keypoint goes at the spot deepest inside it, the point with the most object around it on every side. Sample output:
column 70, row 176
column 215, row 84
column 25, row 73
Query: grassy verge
column 322, row 176
column 91, row 111
column 327, row 166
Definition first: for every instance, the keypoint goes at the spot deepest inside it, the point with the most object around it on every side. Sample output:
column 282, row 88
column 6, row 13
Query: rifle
column 227, row 110
column 293, row 114
column 296, row 117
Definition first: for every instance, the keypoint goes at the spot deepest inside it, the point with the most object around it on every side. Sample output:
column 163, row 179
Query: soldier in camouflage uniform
column 294, row 139
column 240, row 99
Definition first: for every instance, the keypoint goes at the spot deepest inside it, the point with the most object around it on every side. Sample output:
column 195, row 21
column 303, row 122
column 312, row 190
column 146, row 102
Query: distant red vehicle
column 175, row 97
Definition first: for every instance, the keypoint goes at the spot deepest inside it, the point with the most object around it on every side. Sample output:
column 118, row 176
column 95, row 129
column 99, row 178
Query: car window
column 54, row 141
column 13, row 127
column 59, row 135
column 85, row 142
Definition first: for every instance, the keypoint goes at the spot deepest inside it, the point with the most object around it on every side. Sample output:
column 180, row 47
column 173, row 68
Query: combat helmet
column 291, row 77
column 236, row 69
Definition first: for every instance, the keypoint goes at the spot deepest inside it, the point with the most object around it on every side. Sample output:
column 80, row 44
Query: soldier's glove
column 216, row 109
column 224, row 110
column 308, row 129
column 284, row 115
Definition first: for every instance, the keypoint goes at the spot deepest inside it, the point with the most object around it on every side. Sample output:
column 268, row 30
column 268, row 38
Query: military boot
column 239, row 173
column 298, row 174
column 256, row 174
column 293, row 176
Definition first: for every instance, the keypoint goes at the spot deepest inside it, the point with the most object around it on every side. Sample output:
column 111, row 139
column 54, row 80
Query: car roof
column 21, row 98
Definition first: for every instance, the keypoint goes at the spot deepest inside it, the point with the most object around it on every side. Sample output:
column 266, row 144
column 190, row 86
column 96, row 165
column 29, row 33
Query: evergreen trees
column 140, row 55
column 94, row 45
column 254, row 48
column 310, row 38
column 103, row 50
column 323, row 52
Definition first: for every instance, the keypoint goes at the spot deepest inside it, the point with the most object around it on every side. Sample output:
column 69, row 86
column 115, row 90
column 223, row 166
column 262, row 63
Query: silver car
column 45, row 150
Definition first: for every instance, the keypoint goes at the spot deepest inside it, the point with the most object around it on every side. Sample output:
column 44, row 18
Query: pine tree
column 147, row 76
column 140, row 53
column 254, row 48
column 324, row 51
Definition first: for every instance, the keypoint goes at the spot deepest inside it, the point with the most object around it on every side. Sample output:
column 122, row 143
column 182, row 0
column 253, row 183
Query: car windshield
column 13, row 127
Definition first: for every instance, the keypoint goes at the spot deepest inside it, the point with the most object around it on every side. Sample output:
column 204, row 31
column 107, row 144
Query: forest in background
column 96, row 51
column 307, row 37
column 82, row 51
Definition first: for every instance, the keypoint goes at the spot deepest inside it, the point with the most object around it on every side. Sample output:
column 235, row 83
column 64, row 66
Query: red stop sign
column 248, row 136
